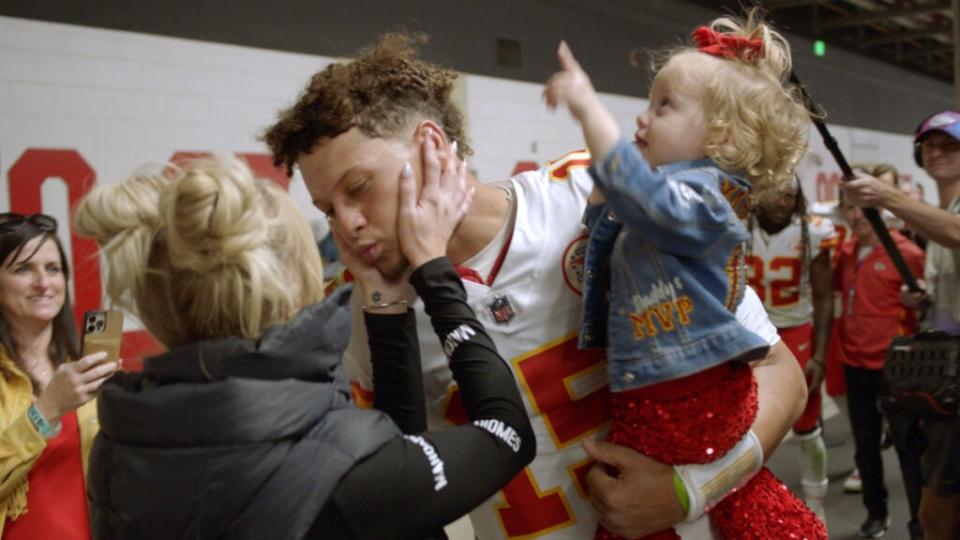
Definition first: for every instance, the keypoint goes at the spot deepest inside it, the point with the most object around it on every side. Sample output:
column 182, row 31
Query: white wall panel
column 119, row 99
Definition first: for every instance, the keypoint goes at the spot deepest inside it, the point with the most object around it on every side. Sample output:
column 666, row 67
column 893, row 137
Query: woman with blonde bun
column 245, row 428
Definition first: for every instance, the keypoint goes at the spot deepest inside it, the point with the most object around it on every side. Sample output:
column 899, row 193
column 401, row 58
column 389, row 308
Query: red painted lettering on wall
column 136, row 345
column 262, row 167
column 260, row 164
column 827, row 183
column 524, row 166
column 36, row 165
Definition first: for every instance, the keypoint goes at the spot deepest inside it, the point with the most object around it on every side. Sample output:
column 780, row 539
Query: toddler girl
column 666, row 233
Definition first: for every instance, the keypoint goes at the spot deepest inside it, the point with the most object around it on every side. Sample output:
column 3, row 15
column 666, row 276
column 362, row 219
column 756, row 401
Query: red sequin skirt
column 695, row 420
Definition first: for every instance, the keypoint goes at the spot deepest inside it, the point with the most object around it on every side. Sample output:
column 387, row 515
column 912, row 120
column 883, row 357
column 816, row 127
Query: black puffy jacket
column 223, row 438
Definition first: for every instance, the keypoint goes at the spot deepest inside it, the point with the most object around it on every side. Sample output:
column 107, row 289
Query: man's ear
column 428, row 129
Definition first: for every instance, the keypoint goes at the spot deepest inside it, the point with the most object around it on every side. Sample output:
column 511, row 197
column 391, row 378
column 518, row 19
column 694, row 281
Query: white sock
column 813, row 468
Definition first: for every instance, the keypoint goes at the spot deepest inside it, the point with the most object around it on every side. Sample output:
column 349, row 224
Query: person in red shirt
column 48, row 408
column 936, row 147
column 872, row 316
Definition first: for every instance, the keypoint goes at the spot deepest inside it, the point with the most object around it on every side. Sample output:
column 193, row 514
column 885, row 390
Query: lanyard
column 853, row 283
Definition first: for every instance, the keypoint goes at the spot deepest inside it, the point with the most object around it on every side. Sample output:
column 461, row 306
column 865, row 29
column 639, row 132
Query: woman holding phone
column 245, row 428
column 47, row 409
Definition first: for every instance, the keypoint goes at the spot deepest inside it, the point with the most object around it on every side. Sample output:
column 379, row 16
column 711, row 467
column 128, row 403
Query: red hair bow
column 714, row 43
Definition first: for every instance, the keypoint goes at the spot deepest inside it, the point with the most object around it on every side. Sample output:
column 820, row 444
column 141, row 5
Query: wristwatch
column 46, row 429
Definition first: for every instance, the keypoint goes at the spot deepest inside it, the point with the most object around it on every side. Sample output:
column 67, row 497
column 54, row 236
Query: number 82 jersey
column 775, row 268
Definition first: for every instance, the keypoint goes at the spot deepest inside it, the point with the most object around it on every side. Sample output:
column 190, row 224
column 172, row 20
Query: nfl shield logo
column 501, row 310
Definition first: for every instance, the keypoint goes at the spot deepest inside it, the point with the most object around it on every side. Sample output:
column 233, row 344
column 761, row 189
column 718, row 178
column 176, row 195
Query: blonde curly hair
column 203, row 251
column 756, row 120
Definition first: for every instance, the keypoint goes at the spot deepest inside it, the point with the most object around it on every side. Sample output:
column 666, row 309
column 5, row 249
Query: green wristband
column 682, row 495
column 46, row 429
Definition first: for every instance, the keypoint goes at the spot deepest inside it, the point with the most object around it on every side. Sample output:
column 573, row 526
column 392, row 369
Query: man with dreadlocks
column 789, row 267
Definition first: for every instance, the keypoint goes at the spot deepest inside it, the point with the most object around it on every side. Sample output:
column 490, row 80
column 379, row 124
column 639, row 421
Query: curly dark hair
column 380, row 92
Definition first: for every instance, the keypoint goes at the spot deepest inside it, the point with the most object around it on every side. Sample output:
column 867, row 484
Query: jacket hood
column 254, row 389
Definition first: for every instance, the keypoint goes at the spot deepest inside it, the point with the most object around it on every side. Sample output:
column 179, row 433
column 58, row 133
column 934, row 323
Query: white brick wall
column 121, row 98
column 509, row 122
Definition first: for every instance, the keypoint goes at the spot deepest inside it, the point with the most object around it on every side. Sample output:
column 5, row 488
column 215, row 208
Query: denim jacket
column 672, row 238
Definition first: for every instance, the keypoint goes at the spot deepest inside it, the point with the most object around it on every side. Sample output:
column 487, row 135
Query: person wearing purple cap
column 937, row 150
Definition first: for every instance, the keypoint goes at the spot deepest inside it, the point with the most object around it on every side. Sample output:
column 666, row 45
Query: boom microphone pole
column 872, row 215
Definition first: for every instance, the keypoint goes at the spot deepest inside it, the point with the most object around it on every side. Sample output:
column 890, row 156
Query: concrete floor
column 845, row 511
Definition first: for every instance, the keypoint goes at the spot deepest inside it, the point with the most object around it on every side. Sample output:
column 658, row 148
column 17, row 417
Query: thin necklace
column 38, row 371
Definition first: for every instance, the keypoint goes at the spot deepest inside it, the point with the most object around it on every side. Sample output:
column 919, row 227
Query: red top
column 56, row 499
column 872, row 312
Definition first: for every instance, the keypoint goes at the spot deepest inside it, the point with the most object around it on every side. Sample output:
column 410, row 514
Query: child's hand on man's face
column 570, row 86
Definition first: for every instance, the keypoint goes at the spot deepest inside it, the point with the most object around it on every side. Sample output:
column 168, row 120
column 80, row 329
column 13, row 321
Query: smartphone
column 103, row 331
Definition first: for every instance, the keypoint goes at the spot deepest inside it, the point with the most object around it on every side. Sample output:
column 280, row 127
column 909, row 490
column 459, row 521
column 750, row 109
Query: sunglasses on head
column 12, row 221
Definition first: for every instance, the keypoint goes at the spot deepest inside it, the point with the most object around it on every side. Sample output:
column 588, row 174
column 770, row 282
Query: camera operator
column 937, row 150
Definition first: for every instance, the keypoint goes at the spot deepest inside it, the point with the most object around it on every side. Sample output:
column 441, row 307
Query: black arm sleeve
column 415, row 484
column 397, row 378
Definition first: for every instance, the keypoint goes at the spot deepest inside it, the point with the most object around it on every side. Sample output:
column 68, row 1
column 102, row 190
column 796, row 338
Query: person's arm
column 416, row 484
column 782, row 395
column 931, row 222
column 821, row 285
column 781, row 386
column 571, row 86
column 682, row 212
column 687, row 217
column 395, row 355
column 474, row 359
column 20, row 442
column 641, row 498
column 72, row 385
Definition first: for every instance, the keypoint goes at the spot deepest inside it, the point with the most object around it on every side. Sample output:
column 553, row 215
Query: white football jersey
column 775, row 268
column 532, row 313
column 831, row 211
